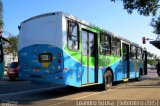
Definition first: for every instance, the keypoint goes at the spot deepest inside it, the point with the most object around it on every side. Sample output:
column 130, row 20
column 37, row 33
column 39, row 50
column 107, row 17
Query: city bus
column 59, row 48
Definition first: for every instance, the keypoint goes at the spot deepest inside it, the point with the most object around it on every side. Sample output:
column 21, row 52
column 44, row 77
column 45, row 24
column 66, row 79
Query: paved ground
column 8, row 87
column 142, row 93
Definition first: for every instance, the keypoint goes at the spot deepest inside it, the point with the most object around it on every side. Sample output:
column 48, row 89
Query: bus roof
column 69, row 16
column 38, row 16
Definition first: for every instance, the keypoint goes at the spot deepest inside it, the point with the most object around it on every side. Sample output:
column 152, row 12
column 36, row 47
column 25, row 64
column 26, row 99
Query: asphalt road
column 18, row 92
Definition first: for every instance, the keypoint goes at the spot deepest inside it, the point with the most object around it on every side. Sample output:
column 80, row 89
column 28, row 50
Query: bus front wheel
column 108, row 80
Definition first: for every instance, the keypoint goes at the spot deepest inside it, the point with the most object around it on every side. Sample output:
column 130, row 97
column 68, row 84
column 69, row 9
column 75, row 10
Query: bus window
column 73, row 36
column 125, row 52
column 84, row 43
column 143, row 54
column 133, row 53
column 139, row 53
column 105, row 45
column 91, row 45
column 116, row 47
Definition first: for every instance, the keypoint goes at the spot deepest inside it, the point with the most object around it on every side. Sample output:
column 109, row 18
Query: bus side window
column 105, row 45
column 139, row 53
column 73, row 36
column 133, row 52
column 124, row 53
column 143, row 54
column 116, row 47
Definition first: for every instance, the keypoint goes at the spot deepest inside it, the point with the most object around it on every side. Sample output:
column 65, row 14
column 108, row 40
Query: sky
column 103, row 13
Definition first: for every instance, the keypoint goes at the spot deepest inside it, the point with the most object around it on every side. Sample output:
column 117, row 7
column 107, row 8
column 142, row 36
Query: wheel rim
column 108, row 80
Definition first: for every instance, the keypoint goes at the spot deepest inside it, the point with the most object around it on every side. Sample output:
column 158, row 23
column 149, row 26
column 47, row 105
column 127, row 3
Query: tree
column 145, row 8
column 13, row 46
column 150, row 55
column 1, row 10
column 156, row 25
column 152, row 58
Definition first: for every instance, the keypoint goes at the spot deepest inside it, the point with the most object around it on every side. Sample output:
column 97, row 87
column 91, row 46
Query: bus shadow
column 57, row 94
column 52, row 94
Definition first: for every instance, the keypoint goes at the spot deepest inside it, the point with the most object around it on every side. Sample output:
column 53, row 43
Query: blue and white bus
column 58, row 48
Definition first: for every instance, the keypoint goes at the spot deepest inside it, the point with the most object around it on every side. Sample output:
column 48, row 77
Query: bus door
column 89, row 57
column 125, row 56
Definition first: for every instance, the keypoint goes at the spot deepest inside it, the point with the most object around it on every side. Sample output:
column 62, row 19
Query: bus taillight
column 59, row 54
column 59, row 60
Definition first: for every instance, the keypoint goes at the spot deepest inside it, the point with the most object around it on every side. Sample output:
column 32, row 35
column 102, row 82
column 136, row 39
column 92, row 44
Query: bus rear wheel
column 140, row 76
column 108, row 80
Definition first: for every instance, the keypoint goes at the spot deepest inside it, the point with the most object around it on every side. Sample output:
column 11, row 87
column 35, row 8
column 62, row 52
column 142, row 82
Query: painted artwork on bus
column 59, row 48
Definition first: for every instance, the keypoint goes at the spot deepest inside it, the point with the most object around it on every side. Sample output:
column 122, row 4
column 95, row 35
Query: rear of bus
column 39, row 48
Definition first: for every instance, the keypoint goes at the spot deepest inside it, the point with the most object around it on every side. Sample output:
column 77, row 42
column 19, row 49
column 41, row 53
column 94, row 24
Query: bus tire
column 140, row 76
column 108, row 80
